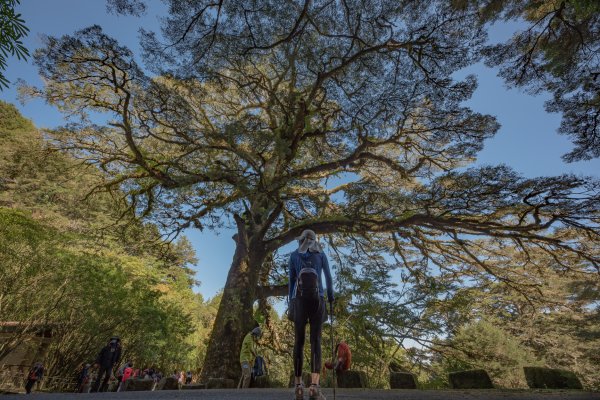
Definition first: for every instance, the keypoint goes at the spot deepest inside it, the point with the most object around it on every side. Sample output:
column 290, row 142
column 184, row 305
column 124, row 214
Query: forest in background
column 82, row 263
column 86, row 268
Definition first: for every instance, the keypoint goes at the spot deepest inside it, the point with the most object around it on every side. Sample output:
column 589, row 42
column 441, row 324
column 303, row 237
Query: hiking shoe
column 299, row 392
column 314, row 393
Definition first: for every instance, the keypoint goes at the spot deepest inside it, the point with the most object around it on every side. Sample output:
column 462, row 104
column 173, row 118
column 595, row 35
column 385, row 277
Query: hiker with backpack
column 307, row 305
column 247, row 355
column 36, row 373
column 107, row 358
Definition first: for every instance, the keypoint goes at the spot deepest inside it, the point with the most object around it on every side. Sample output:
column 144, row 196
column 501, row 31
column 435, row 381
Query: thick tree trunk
column 235, row 315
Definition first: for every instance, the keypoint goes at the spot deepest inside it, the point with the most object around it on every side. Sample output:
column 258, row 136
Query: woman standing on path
column 306, row 299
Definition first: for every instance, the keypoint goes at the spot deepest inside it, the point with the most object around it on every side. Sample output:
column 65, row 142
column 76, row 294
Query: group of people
column 307, row 306
column 102, row 371
column 102, row 368
column 128, row 371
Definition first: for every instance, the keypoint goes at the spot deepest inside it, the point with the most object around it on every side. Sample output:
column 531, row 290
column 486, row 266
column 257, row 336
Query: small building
column 21, row 345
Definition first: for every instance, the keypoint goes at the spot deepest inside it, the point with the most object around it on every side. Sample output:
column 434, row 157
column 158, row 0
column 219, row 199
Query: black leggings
column 315, row 313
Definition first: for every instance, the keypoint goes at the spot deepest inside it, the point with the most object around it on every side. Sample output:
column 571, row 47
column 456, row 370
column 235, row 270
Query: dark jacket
column 36, row 373
column 109, row 355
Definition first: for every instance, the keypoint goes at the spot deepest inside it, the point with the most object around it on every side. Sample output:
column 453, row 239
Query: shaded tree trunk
column 235, row 315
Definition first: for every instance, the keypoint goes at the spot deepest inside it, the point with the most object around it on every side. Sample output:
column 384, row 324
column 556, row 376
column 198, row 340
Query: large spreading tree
column 277, row 116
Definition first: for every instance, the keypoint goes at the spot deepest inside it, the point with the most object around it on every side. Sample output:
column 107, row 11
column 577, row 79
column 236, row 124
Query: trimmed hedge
column 472, row 379
column 402, row 380
column 550, row 378
column 137, row 385
column 352, row 379
column 167, row 383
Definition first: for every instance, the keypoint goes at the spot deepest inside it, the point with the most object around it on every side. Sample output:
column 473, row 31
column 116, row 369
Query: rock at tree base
column 220, row 383
column 352, row 379
column 473, row 379
column 402, row 380
column 260, row 382
column 549, row 378
column 167, row 383
column 305, row 379
column 136, row 385
column 193, row 386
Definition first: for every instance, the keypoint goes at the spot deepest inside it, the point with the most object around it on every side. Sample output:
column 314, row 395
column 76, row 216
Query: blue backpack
column 259, row 367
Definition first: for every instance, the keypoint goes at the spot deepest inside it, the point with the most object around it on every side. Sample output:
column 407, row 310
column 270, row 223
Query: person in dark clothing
column 306, row 266
column 36, row 373
column 107, row 358
column 151, row 373
column 83, row 377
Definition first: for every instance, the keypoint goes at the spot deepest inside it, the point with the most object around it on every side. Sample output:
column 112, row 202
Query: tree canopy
column 556, row 51
column 12, row 30
column 333, row 116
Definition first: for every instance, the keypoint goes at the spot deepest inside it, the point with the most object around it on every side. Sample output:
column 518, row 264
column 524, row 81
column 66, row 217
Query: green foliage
column 554, row 51
column 67, row 261
column 373, row 315
column 85, row 293
column 12, row 122
column 533, row 310
column 484, row 345
column 554, row 324
column 12, row 30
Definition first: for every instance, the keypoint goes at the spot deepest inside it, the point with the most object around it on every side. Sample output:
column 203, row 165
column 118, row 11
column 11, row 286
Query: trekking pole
column 333, row 356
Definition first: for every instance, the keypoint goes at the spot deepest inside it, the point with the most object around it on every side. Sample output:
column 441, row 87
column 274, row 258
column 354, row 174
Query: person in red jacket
column 344, row 358
column 127, row 373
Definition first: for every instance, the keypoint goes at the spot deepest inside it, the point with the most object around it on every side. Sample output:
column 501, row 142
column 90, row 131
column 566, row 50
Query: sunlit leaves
column 12, row 30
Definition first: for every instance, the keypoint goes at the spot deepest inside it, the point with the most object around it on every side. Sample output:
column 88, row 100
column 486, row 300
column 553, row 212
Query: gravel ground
column 342, row 394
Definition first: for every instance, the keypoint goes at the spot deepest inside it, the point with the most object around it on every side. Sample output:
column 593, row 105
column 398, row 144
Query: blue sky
column 527, row 141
